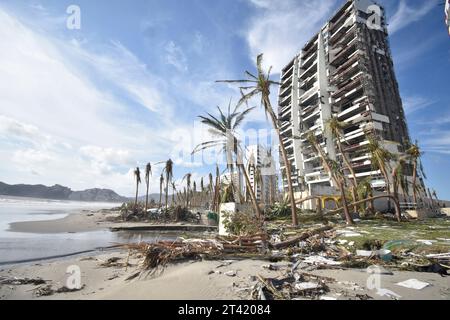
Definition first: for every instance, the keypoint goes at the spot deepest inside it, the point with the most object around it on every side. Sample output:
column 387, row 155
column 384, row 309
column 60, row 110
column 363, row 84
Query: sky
column 82, row 107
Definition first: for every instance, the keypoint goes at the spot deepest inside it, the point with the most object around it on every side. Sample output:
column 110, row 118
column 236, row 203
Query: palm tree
column 414, row 153
column 137, row 175
column 333, row 169
column 211, row 187
column 148, row 173
column 224, row 128
column 260, row 86
column 365, row 191
column 174, row 190
column 194, row 194
column 216, row 199
column 161, row 183
column 336, row 127
column 380, row 159
column 188, row 177
column 168, row 169
column 202, row 191
column 399, row 179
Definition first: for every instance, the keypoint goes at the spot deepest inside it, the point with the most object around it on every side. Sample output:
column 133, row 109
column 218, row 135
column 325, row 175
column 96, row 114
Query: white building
column 345, row 71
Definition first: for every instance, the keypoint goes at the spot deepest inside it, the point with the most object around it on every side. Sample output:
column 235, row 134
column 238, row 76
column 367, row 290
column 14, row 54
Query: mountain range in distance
column 58, row 192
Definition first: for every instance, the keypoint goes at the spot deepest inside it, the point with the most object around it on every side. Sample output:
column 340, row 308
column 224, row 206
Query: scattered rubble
column 294, row 252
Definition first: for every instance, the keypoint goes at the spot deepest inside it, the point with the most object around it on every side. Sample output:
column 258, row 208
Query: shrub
column 241, row 223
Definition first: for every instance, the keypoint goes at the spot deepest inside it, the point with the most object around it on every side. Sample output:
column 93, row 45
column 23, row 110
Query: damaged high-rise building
column 346, row 72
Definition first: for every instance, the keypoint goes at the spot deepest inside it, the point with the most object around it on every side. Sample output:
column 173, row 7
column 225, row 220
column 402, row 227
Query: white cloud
column 281, row 28
column 436, row 141
column 56, row 122
column 412, row 104
column 175, row 57
column 406, row 15
column 125, row 70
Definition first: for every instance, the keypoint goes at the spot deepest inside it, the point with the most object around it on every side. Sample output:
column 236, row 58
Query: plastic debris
column 384, row 254
column 427, row 242
column 319, row 260
column 388, row 293
column 306, row 286
column 413, row 284
column 231, row 273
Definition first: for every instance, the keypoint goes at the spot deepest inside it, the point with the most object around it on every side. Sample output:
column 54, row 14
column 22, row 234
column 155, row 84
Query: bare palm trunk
column 414, row 182
column 187, row 199
column 396, row 205
column 167, row 192
column 146, row 198
column 352, row 172
column 348, row 217
column 137, row 191
column 339, row 183
column 286, row 163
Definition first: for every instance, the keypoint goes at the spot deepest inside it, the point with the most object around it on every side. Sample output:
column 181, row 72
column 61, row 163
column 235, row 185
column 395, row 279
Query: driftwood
column 303, row 236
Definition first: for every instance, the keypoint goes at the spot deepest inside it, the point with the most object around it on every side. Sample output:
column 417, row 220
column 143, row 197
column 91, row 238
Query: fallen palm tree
column 394, row 200
column 294, row 241
column 163, row 252
column 159, row 254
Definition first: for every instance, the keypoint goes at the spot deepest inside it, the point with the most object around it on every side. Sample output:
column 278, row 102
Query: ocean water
column 18, row 247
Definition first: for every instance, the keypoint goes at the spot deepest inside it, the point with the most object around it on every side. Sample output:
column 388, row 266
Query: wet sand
column 76, row 222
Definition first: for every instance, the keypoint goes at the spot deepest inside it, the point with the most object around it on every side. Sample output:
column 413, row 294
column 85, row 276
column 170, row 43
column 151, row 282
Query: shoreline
column 75, row 222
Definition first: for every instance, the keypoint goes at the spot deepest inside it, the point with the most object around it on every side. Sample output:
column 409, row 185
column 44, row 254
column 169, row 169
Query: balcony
column 308, row 62
column 352, row 110
column 286, row 116
column 310, row 81
column 310, row 157
column 311, row 46
column 354, row 82
column 341, row 15
column 347, row 64
column 317, row 178
column 344, row 55
column 284, row 109
column 356, row 146
column 312, row 115
column 309, row 108
column 345, row 74
column 286, row 130
column 309, row 72
column 285, row 99
column 284, row 85
column 347, row 37
column 311, row 91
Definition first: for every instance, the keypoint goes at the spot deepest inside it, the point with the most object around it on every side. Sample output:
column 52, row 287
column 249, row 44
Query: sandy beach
column 188, row 280
column 200, row 280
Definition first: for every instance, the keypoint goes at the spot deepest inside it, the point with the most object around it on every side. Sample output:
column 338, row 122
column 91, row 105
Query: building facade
column 262, row 174
column 345, row 72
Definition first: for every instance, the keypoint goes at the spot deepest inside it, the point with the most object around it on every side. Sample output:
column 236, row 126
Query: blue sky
column 83, row 107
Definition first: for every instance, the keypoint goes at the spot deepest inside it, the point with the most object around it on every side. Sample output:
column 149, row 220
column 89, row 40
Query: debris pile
column 294, row 286
column 21, row 281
